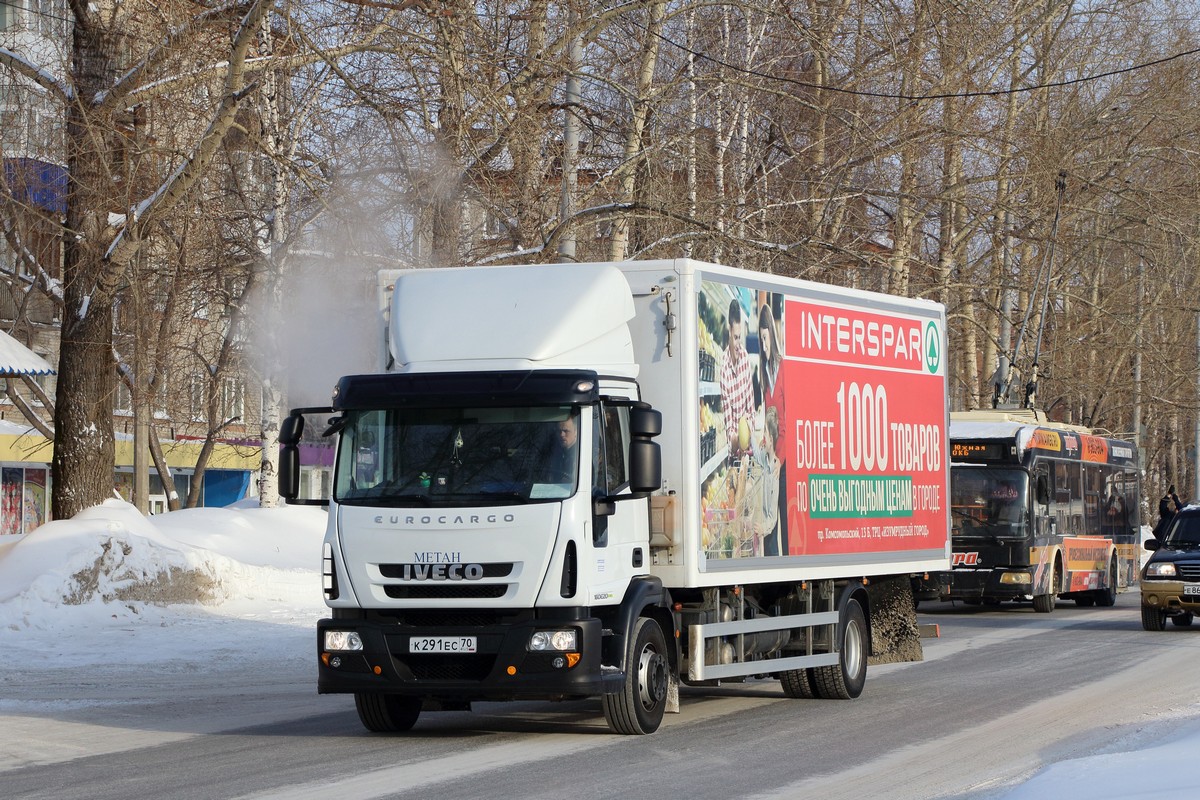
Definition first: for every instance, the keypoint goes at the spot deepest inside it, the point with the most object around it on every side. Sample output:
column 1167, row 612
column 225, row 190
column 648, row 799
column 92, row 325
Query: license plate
column 1191, row 588
column 441, row 644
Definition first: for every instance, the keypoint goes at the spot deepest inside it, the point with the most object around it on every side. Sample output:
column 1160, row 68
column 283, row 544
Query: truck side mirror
column 289, row 471
column 645, row 466
column 644, row 472
column 291, row 429
column 645, row 456
column 644, row 421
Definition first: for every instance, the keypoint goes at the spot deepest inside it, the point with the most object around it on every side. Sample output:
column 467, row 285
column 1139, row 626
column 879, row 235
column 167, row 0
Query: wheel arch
column 645, row 597
column 1053, row 563
column 855, row 590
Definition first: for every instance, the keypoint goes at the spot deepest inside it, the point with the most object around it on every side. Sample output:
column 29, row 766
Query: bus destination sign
column 978, row 451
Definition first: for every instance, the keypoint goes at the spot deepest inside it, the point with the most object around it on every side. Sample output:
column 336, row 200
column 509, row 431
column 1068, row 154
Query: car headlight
column 553, row 640
column 343, row 640
column 1164, row 569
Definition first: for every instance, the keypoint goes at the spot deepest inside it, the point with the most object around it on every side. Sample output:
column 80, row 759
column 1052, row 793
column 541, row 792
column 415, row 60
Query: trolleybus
column 1039, row 510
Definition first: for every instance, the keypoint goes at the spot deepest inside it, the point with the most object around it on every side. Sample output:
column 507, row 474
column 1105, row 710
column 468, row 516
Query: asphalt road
column 1001, row 693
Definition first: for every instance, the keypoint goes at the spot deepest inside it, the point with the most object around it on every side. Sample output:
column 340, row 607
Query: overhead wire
column 922, row 97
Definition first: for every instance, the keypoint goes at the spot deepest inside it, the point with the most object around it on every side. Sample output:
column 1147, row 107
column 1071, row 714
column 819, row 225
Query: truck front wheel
column 387, row 713
column 638, row 708
column 845, row 680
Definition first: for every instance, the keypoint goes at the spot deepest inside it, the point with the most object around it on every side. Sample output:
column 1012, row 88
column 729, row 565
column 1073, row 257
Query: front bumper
column 502, row 668
column 985, row 584
column 1169, row 596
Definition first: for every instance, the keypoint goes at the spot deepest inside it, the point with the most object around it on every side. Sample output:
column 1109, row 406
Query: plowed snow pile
column 110, row 568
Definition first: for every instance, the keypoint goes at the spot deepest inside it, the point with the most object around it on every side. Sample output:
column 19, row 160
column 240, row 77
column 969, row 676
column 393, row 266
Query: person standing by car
column 1168, row 506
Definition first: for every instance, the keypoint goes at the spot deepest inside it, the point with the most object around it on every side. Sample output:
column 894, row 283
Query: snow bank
column 110, row 564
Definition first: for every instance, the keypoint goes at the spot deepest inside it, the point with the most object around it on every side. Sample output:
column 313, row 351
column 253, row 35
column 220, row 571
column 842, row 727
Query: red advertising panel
column 1095, row 448
column 827, row 425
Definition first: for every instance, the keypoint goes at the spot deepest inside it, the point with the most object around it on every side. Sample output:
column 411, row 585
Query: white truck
column 580, row 480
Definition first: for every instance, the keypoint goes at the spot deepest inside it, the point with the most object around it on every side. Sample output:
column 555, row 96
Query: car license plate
column 1191, row 588
column 441, row 644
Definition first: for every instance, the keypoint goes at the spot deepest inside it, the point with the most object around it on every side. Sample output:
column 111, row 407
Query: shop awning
column 17, row 359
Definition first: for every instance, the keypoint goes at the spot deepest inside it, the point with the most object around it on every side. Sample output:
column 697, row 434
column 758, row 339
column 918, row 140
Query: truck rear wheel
column 798, row 683
column 845, row 680
column 387, row 713
column 638, row 708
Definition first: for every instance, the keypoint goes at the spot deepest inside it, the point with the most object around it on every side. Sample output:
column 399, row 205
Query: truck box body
column 785, row 488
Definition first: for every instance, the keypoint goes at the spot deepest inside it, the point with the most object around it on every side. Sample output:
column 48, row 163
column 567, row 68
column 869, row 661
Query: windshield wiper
column 387, row 500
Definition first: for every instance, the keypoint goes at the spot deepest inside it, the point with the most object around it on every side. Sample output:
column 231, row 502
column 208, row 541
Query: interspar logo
column 933, row 348
column 849, row 336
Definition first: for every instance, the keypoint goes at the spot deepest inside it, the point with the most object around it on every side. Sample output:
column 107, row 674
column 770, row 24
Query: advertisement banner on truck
column 822, row 426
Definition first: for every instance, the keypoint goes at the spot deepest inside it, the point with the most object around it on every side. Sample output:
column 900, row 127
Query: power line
column 920, row 97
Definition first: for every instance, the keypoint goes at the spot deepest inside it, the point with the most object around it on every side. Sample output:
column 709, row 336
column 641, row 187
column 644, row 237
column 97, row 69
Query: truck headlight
column 343, row 640
column 553, row 640
column 1163, row 569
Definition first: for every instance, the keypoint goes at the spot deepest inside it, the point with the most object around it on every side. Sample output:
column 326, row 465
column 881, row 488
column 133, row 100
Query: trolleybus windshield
column 989, row 501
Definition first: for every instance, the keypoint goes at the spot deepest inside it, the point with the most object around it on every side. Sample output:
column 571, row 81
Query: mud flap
column 895, row 635
column 672, row 692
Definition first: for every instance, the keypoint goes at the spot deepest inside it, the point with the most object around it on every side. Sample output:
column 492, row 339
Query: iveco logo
column 442, row 572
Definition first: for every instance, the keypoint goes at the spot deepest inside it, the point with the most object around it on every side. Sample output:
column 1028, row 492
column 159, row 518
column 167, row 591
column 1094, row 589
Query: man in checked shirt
column 737, row 392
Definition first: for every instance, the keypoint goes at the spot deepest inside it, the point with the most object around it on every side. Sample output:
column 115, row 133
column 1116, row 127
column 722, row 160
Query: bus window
column 1093, row 495
column 1114, row 516
column 1068, row 497
column 1062, row 484
column 1042, row 487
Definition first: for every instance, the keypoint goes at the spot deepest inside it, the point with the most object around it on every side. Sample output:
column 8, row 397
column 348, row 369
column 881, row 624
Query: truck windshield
column 457, row 456
column 989, row 501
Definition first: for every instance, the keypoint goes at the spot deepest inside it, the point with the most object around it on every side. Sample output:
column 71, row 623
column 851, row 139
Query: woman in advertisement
column 770, row 360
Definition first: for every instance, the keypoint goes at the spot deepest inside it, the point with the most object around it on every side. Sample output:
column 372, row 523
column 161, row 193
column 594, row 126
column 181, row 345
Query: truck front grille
column 450, row 668
column 458, row 590
column 407, row 571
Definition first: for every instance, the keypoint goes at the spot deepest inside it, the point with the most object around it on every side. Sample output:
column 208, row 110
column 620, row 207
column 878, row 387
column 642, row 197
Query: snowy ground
column 181, row 590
